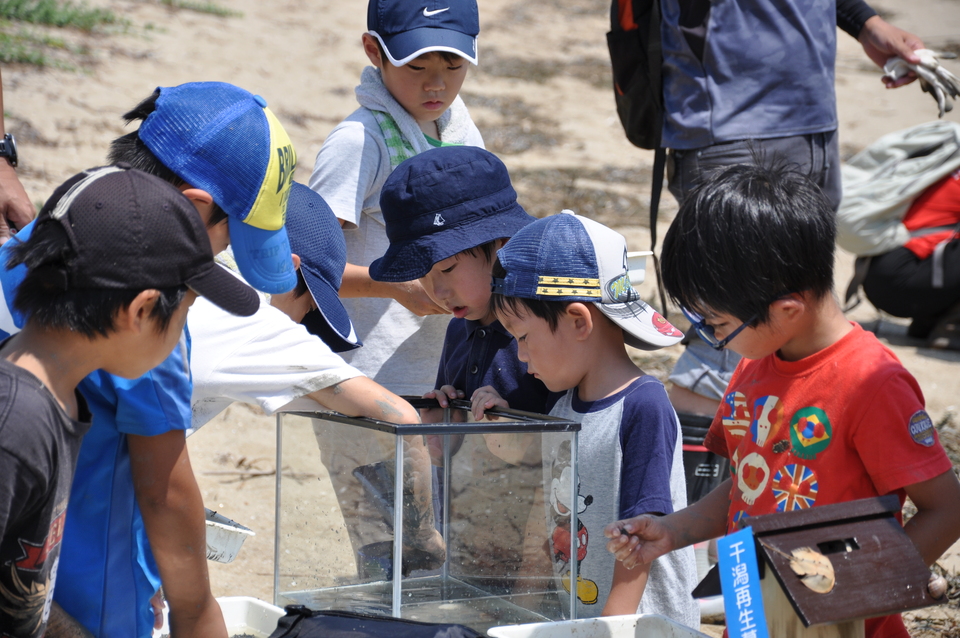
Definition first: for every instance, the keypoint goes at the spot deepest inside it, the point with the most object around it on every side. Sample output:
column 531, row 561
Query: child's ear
column 296, row 261
column 580, row 318
column 372, row 48
column 135, row 316
column 789, row 308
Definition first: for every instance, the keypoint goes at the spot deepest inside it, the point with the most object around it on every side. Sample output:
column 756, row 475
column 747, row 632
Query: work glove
column 943, row 85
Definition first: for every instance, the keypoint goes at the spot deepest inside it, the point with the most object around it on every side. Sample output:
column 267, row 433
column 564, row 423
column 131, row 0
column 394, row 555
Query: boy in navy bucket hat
column 561, row 287
column 447, row 211
column 409, row 103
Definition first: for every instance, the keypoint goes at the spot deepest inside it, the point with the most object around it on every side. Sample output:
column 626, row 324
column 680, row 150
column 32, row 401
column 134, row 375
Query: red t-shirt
column 939, row 205
column 845, row 423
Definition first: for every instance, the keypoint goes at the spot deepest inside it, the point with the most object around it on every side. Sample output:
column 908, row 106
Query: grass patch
column 57, row 14
column 211, row 8
column 24, row 47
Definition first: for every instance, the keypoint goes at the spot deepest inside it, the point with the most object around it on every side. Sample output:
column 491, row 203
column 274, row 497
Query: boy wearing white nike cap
column 409, row 103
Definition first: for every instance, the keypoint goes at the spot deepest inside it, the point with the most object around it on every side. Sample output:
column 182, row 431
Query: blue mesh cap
column 224, row 140
column 567, row 257
column 409, row 29
column 442, row 202
column 316, row 238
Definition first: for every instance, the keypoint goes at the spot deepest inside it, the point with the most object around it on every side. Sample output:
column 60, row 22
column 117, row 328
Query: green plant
column 203, row 7
column 54, row 13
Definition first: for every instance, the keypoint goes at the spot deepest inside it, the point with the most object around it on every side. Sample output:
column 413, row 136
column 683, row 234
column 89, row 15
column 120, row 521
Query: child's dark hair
column 488, row 251
column 549, row 311
column 745, row 237
column 45, row 298
column 130, row 148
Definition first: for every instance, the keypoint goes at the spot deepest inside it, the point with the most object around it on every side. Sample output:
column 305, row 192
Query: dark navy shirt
column 475, row 355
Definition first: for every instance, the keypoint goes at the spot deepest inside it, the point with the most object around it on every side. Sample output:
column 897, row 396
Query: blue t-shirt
column 767, row 70
column 107, row 573
column 475, row 355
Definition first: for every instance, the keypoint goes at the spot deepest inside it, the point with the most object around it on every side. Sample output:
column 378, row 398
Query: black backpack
column 301, row 622
column 636, row 58
column 635, row 54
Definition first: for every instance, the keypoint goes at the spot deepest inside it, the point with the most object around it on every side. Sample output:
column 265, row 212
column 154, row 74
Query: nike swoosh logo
column 427, row 13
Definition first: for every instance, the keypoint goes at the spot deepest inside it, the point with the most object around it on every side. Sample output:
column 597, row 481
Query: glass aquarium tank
column 468, row 543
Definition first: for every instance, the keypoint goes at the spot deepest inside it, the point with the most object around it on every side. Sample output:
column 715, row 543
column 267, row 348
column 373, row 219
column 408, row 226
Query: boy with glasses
column 819, row 411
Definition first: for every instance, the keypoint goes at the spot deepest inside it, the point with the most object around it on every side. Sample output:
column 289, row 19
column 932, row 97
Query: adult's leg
column 900, row 284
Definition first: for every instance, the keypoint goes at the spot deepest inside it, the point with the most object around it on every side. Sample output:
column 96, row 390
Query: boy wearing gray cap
column 409, row 103
column 107, row 282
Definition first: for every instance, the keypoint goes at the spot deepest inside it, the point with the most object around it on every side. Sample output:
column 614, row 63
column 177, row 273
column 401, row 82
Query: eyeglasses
column 706, row 332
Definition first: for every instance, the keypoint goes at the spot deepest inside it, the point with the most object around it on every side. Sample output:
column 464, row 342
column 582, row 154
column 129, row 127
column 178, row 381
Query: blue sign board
column 740, row 582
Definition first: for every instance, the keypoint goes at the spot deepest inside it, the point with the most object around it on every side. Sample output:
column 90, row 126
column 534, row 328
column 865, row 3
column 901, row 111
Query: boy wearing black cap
column 409, row 103
column 561, row 287
column 107, row 281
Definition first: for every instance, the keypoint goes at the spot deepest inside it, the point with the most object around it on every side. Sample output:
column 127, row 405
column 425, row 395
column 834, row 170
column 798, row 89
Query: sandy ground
column 540, row 96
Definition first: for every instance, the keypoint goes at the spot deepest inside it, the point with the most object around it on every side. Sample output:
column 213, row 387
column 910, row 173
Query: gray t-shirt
column 400, row 350
column 629, row 462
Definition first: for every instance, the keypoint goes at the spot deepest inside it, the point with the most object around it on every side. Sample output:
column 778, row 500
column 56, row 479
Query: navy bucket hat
column 440, row 203
column 315, row 237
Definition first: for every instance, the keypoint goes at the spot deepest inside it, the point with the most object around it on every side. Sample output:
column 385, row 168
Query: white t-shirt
column 400, row 350
column 266, row 360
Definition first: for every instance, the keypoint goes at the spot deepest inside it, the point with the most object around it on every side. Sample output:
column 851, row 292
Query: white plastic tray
column 637, row 626
column 242, row 615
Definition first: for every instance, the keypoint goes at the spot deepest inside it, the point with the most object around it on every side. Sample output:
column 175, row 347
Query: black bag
column 301, row 622
column 635, row 55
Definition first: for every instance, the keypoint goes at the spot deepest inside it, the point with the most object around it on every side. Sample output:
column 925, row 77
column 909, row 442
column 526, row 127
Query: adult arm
column 410, row 294
column 642, row 539
column 15, row 206
column 173, row 516
column 880, row 39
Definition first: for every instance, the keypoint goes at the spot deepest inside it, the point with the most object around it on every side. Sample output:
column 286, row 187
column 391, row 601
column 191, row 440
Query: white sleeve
column 351, row 167
column 266, row 360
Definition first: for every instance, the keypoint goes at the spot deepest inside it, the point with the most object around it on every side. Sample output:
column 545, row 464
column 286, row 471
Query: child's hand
column 639, row 540
column 486, row 398
column 444, row 394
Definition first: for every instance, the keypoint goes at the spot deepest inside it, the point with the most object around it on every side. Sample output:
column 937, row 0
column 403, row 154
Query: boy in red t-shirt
column 818, row 411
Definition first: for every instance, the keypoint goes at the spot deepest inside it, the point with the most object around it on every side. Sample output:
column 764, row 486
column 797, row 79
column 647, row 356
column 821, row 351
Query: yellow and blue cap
column 223, row 139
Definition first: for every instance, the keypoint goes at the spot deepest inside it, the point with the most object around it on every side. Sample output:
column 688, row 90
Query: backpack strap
column 659, row 164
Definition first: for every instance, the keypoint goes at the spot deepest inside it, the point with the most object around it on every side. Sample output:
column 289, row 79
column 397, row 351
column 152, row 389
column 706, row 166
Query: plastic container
column 637, row 626
column 224, row 537
column 637, row 266
column 248, row 615
column 243, row 616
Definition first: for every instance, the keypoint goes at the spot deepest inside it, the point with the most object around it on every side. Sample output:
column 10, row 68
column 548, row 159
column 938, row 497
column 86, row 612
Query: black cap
column 134, row 231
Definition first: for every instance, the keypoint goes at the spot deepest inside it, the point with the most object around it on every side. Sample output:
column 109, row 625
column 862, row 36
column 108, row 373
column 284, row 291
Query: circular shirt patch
column 921, row 428
column 794, row 488
column 810, row 432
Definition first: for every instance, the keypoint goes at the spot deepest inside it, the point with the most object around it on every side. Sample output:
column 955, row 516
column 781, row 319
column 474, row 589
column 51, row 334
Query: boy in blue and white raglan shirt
column 409, row 103
column 561, row 288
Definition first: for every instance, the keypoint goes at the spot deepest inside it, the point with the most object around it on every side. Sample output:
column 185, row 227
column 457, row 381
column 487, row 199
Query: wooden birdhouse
column 833, row 566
